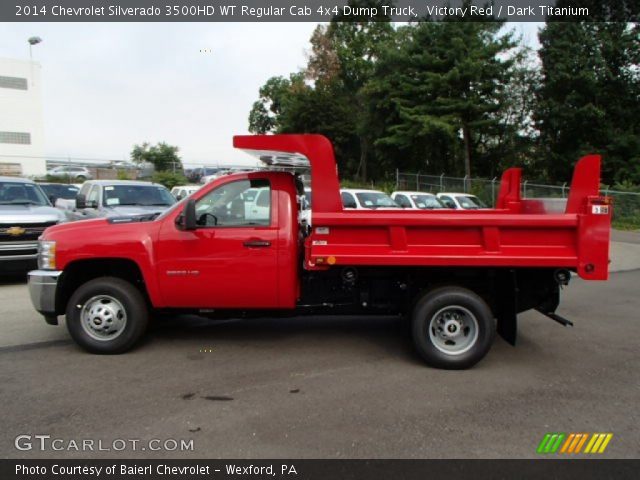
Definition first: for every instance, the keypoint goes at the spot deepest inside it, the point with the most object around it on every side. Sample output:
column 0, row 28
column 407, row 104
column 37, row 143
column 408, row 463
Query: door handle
column 257, row 243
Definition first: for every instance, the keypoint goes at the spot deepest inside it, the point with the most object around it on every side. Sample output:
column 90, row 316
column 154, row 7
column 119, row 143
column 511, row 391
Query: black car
column 59, row 190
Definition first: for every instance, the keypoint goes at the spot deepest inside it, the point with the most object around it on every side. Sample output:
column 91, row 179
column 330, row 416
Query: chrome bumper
column 42, row 289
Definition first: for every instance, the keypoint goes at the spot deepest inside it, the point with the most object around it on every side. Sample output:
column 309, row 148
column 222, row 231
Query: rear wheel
column 452, row 328
column 107, row 315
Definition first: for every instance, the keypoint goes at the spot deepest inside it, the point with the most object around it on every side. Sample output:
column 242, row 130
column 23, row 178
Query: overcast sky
column 107, row 86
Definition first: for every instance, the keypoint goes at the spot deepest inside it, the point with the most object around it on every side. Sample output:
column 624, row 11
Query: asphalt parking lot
column 329, row 388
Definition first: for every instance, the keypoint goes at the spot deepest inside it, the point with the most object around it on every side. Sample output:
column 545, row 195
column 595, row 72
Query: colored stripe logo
column 573, row 443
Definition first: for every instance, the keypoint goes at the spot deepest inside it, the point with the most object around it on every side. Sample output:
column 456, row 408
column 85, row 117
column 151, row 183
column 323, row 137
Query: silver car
column 120, row 198
column 25, row 212
column 79, row 174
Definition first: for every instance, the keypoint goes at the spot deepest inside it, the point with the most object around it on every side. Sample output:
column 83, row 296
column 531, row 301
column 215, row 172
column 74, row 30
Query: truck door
column 230, row 260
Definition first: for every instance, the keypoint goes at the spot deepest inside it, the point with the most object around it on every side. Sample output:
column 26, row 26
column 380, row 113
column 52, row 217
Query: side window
column 403, row 201
column 348, row 201
column 92, row 198
column 229, row 205
column 447, row 201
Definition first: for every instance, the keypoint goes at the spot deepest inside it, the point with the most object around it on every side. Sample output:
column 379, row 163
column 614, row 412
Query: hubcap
column 453, row 330
column 103, row 317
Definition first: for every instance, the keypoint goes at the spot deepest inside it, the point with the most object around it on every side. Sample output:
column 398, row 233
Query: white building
column 21, row 124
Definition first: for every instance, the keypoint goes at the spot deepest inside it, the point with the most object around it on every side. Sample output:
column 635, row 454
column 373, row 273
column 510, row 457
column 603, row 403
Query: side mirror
column 350, row 204
column 187, row 220
column 81, row 201
column 52, row 199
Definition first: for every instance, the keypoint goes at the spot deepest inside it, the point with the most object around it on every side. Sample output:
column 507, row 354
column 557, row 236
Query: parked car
column 61, row 195
column 417, row 200
column 366, row 199
column 79, row 174
column 183, row 191
column 56, row 191
column 257, row 204
column 459, row 282
column 219, row 173
column 121, row 198
column 25, row 212
column 196, row 174
column 461, row 201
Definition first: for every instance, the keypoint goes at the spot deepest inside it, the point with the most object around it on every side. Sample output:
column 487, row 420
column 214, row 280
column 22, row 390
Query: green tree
column 162, row 156
column 169, row 179
column 326, row 97
column 589, row 96
column 268, row 112
column 443, row 95
column 346, row 52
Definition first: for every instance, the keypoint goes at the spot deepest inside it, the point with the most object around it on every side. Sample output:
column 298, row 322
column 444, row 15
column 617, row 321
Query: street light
column 32, row 41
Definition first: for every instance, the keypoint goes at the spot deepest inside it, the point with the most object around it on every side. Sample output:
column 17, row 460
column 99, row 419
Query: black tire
column 458, row 303
column 127, row 303
column 81, row 178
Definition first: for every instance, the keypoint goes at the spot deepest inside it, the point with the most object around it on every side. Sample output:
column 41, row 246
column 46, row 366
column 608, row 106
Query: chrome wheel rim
column 453, row 330
column 103, row 317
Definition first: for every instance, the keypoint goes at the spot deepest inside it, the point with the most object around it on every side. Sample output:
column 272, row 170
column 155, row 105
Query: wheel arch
column 79, row 272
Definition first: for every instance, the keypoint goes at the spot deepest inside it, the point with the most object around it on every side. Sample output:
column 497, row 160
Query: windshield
column 142, row 195
column 66, row 192
column 426, row 201
column 376, row 200
column 470, row 202
column 14, row 193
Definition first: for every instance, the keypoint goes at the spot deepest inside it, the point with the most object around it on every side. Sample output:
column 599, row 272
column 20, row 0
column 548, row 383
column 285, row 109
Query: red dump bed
column 518, row 233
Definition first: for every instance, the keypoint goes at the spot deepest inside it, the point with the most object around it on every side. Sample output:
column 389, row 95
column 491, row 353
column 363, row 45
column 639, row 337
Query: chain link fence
column 626, row 211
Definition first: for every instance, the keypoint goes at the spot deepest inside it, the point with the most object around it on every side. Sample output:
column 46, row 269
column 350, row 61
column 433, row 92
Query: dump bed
column 517, row 233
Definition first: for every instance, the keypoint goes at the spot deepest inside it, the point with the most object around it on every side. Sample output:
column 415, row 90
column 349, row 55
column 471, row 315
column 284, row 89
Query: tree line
column 465, row 97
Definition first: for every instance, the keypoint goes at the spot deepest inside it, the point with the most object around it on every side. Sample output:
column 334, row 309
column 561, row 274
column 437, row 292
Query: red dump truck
column 230, row 250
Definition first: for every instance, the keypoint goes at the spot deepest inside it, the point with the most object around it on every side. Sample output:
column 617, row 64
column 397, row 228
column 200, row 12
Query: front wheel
column 107, row 315
column 452, row 328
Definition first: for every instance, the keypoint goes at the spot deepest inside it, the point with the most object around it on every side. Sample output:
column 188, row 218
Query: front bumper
column 42, row 289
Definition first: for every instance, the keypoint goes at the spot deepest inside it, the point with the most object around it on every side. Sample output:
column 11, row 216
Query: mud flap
column 507, row 308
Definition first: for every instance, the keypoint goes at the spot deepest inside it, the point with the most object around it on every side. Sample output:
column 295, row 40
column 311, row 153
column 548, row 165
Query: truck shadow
column 388, row 334
column 377, row 336
column 13, row 279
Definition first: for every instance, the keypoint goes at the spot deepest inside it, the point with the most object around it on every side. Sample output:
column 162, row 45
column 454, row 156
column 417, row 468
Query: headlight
column 47, row 255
